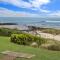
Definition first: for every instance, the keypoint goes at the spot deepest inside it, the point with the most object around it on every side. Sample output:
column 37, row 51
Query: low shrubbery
column 26, row 39
column 55, row 47
column 8, row 32
column 50, row 30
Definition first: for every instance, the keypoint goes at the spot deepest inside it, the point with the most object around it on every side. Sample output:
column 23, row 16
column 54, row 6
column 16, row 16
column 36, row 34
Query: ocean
column 33, row 21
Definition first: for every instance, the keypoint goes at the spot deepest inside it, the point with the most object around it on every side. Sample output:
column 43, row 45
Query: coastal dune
column 37, row 32
column 49, row 36
column 45, row 35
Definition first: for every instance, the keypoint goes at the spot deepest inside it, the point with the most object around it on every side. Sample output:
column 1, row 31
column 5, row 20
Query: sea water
column 33, row 21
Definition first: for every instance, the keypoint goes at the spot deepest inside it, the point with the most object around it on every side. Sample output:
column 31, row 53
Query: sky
column 29, row 8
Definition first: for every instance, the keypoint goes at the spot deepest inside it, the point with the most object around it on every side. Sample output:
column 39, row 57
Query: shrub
column 34, row 44
column 8, row 32
column 26, row 39
column 54, row 47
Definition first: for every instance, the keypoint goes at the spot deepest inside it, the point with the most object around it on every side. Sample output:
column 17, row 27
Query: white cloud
column 38, row 3
column 8, row 13
column 34, row 4
column 55, row 14
column 18, row 3
column 45, row 11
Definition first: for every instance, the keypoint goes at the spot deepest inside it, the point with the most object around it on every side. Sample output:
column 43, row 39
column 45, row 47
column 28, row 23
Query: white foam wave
column 53, row 21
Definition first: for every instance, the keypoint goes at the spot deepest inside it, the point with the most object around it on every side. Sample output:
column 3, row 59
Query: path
column 7, row 57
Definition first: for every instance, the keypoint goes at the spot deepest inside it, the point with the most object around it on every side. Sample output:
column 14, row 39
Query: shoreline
column 24, row 27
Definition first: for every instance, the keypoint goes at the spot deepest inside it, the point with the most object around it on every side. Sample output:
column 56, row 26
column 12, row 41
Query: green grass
column 41, row 54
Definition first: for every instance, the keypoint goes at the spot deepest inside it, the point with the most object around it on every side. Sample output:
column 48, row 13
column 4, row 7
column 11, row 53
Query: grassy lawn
column 41, row 54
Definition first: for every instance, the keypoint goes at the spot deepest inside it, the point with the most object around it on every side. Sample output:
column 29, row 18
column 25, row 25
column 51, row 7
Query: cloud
column 33, row 4
column 18, row 3
column 8, row 13
column 45, row 11
column 55, row 14
column 38, row 3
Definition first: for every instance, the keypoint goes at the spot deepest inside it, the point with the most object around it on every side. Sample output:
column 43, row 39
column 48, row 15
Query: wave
column 53, row 21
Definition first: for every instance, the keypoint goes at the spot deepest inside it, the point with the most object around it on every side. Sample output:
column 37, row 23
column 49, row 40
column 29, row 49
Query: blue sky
column 29, row 8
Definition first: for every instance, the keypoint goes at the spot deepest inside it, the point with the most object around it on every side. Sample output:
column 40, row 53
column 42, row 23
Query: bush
column 8, row 32
column 54, row 47
column 26, row 39
column 50, row 30
column 34, row 44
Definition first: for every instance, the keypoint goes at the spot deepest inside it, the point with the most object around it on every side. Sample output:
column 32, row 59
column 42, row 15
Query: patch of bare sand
column 45, row 35
column 49, row 36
